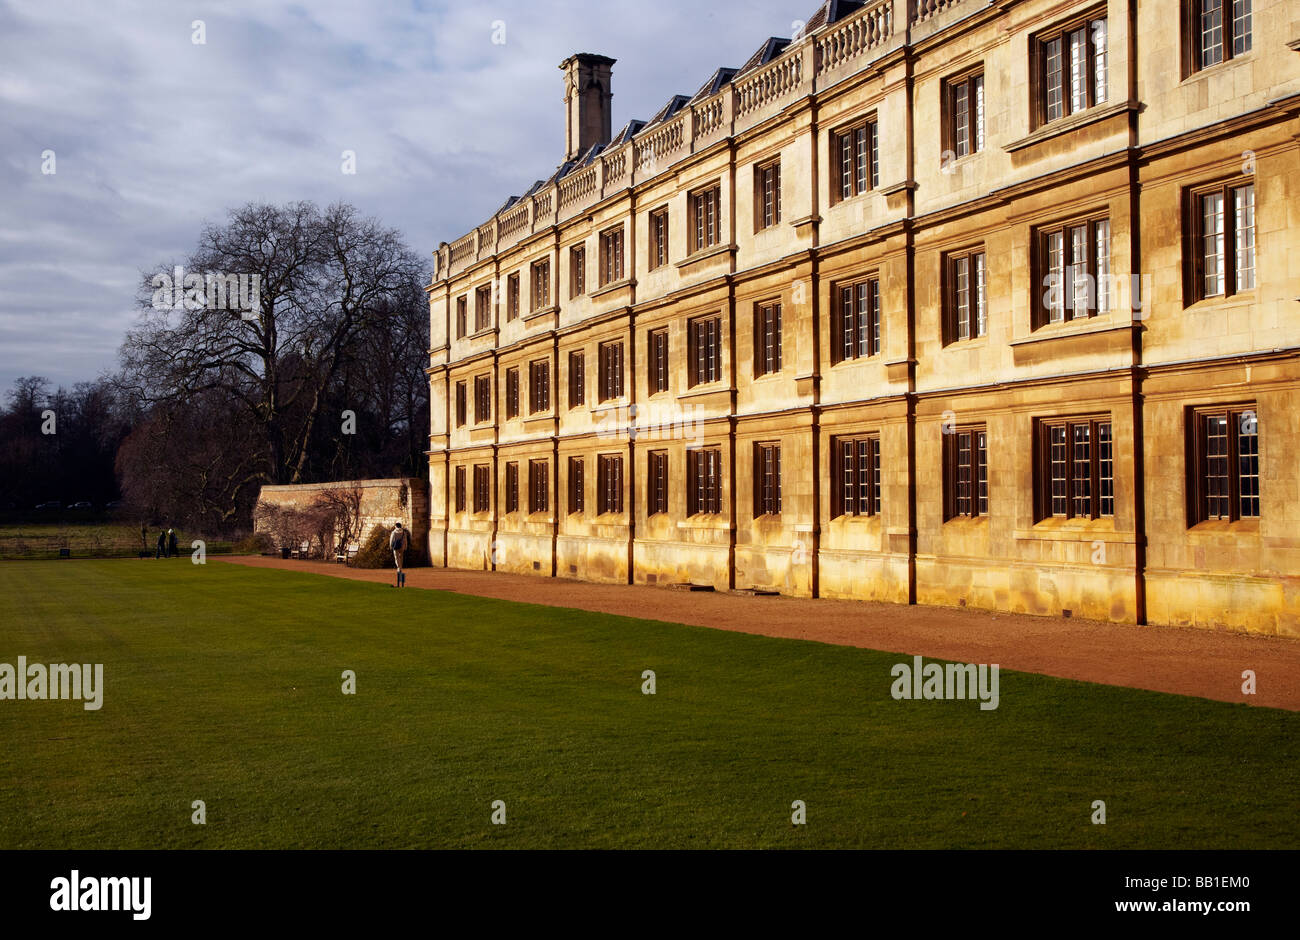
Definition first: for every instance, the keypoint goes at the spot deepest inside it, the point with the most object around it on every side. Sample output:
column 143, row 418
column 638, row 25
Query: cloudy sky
column 152, row 133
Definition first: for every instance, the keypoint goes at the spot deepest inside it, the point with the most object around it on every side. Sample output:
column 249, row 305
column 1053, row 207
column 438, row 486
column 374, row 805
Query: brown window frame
column 611, row 256
column 767, row 478
column 577, row 271
column 512, row 297
column 1194, row 235
column 1095, row 93
column 706, row 217
column 971, row 84
column 540, row 285
column 512, row 392
column 704, row 349
column 855, row 159
column 610, row 377
column 1200, row 492
column 539, row 486
column 512, row 486
column 656, row 482
column 459, row 488
column 482, row 488
column 1044, row 481
column 767, row 338
column 977, row 305
column 577, row 486
column 462, row 316
column 539, row 386
column 849, row 337
column 767, row 194
column 1193, row 31
column 482, row 308
column 849, row 495
column 609, row 484
column 577, row 379
column 704, row 488
column 973, row 463
column 462, row 406
column 658, row 378
column 482, row 399
column 658, row 248
column 1097, row 270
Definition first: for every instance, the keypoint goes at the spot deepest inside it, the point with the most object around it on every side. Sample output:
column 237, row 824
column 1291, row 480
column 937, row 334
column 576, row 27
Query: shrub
column 375, row 552
column 256, row 544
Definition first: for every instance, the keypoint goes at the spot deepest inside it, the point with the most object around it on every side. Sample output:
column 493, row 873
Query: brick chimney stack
column 587, row 96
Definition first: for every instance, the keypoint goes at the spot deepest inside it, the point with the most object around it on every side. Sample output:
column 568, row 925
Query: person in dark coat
column 171, row 544
column 162, row 545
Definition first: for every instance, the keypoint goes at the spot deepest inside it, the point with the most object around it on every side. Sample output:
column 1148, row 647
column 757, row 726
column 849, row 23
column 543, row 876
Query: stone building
column 954, row 302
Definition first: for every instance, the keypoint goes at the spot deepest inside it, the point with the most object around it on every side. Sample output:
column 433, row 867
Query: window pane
column 977, row 91
column 847, row 320
column 981, row 314
column 1102, row 285
column 1216, row 466
column 1082, row 470
column 1053, row 79
column 961, row 119
column 1105, row 469
column 1248, row 465
column 864, row 319
column 961, row 284
column 1212, row 244
column 1211, row 32
column 1099, row 90
column 982, row 470
column 963, row 473
column 1243, row 207
column 1078, row 70
column 1240, row 26
column 860, row 154
column 1078, row 285
column 1057, row 456
column 1056, row 277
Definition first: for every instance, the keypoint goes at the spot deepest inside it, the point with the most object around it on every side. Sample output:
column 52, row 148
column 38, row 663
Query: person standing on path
column 162, row 545
column 171, row 544
column 398, row 542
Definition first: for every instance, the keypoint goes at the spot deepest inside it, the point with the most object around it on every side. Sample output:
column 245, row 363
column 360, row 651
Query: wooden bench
column 348, row 555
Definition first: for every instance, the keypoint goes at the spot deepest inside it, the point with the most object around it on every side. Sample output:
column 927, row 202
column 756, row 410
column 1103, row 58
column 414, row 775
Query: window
column 577, row 379
column 611, row 256
column 706, row 212
column 609, row 483
column 577, row 486
column 855, row 476
column 460, row 489
column 857, row 320
column 965, row 310
column 965, row 113
column 704, row 337
column 767, row 195
column 1073, row 263
column 482, row 399
column 658, row 238
column 577, row 271
column 855, row 152
column 1076, row 476
column 1224, row 463
column 767, row 480
column 656, row 482
column 1071, row 73
column 657, row 371
column 512, row 393
column 512, row 487
column 541, row 286
column 1222, row 240
column 539, row 481
column 482, row 488
column 512, row 297
column 966, row 472
column 703, row 481
column 462, row 317
column 482, row 308
column 610, row 367
column 539, row 386
column 1215, row 31
column 767, row 338
column 460, row 404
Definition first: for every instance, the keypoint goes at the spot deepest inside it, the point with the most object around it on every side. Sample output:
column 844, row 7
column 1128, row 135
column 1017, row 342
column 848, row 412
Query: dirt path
column 1185, row 661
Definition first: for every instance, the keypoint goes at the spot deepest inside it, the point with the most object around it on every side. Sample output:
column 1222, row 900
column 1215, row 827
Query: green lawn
column 42, row 540
column 223, row 685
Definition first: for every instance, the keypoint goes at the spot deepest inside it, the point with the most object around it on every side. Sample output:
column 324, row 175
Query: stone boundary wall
column 383, row 502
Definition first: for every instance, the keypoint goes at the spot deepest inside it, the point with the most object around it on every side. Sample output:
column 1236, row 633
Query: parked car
column 41, row 507
column 83, row 504
column 115, row 504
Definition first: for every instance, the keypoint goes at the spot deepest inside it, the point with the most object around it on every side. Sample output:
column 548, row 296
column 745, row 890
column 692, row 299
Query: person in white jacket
column 398, row 542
